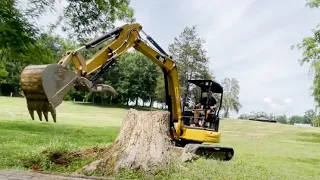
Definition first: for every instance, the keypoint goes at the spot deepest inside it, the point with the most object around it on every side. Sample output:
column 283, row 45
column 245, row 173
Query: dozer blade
column 211, row 151
column 44, row 87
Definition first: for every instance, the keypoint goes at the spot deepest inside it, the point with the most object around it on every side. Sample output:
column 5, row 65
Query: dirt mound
column 62, row 159
column 142, row 143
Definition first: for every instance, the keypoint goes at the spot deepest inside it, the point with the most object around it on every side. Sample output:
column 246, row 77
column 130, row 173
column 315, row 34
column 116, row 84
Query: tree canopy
column 231, row 100
column 188, row 52
column 83, row 19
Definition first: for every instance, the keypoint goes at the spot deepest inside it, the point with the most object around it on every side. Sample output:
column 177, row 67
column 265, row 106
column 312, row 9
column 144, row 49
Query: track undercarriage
column 210, row 151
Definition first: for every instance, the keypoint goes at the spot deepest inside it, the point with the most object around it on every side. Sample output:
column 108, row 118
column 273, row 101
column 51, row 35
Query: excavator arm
column 50, row 83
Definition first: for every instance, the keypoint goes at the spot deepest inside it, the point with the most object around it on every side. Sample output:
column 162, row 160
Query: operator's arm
column 213, row 103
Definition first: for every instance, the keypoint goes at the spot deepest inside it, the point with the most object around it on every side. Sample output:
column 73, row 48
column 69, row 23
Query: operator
column 199, row 110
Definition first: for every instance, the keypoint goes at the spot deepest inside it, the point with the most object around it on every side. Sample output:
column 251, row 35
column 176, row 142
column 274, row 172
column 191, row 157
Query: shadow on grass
column 309, row 137
column 117, row 106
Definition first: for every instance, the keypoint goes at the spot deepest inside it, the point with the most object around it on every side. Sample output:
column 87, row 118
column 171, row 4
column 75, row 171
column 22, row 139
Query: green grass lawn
column 262, row 150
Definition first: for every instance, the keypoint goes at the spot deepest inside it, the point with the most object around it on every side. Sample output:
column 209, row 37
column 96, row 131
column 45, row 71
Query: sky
column 248, row 40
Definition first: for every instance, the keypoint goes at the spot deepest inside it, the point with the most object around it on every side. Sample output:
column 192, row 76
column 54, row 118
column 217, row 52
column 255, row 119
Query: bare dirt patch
column 62, row 159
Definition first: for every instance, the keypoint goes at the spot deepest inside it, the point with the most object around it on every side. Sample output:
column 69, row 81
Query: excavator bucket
column 44, row 87
column 211, row 151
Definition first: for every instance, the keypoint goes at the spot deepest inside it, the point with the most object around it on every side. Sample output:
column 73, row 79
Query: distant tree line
column 23, row 42
column 309, row 117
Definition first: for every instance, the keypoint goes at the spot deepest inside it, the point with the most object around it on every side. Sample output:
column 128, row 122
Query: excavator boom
column 45, row 86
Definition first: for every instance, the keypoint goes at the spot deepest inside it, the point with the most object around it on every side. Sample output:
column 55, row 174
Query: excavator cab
column 207, row 131
column 207, row 102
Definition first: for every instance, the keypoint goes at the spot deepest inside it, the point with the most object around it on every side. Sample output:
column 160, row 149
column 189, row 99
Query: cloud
column 277, row 105
column 287, row 101
column 267, row 100
column 277, row 102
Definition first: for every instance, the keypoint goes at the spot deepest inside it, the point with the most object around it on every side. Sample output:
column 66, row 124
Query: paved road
column 25, row 175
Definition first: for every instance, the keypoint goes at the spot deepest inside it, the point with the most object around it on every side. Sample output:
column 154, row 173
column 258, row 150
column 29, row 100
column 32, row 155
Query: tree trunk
column 151, row 103
column 142, row 143
column 137, row 102
column 110, row 100
column 226, row 113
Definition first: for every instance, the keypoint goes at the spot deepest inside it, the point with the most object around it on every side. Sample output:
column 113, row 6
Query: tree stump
column 142, row 143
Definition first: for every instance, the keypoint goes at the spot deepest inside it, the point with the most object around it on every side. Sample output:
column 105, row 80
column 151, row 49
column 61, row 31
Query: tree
column 85, row 19
column 148, row 73
column 22, row 43
column 192, row 62
column 160, row 93
column 316, row 122
column 313, row 3
column 281, row 119
column 3, row 73
column 309, row 116
column 244, row 116
column 295, row 119
column 230, row 101
column 18, row 37
column 137, row 77
column 16, row 32
column 311, row 54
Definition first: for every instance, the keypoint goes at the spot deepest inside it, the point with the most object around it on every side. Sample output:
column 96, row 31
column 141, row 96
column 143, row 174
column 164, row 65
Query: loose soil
column 63, row 159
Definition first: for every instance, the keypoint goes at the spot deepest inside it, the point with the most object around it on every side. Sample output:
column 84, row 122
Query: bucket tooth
column 54, row 117
column 45, row 114
column 53, row 114
column 31, row 112
column 45, row 111
column 40, row 115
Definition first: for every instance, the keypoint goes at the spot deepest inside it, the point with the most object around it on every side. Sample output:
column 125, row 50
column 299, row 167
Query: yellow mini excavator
column 45, row 86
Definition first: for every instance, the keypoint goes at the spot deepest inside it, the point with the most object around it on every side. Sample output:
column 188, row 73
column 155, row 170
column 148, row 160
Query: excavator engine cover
column 45, row 86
